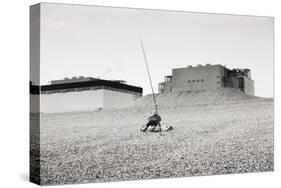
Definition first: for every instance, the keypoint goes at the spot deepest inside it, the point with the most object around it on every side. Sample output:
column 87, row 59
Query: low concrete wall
column 71, row 101
column 115, row 99
column 249, row 86
column 82, row 100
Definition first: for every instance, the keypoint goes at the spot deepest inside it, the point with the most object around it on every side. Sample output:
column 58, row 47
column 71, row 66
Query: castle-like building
column 207, row 77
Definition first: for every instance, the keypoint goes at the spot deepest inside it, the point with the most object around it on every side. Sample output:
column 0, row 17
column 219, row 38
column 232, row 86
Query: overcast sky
column 90, row 41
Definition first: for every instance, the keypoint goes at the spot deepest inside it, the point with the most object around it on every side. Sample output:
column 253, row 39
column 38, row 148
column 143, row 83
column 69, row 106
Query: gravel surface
column 215, row 137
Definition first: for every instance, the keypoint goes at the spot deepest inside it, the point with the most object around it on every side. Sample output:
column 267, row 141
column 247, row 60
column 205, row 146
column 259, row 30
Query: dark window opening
column 241, row 84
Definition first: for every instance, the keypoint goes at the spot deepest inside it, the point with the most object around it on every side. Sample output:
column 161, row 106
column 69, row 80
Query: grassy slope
column 218, row 136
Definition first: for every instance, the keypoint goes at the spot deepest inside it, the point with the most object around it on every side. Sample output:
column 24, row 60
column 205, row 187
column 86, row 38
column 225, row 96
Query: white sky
column 89, row 41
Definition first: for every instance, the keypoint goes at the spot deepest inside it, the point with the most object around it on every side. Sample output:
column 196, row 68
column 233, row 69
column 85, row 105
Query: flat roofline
column 201, row 66
column 35, row 89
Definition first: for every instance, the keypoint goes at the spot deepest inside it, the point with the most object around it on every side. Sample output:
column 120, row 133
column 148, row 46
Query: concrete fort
column 207, row 77
column 81, row 94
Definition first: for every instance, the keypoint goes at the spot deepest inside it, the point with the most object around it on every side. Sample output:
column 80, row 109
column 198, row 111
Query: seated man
column 153, row 121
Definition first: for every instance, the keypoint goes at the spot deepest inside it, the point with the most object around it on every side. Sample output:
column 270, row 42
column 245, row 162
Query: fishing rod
column 153, row 94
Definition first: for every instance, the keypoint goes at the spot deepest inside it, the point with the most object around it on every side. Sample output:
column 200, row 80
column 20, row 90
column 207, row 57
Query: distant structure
column 207, row 77
column 84, row 93
column 72, row 80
